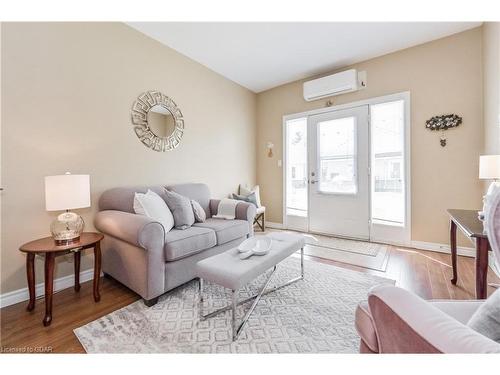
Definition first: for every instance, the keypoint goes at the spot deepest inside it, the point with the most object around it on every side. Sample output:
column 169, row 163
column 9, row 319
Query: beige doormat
column 359, row 253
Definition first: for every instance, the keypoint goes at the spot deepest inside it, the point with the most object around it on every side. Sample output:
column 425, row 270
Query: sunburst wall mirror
column 158, row 122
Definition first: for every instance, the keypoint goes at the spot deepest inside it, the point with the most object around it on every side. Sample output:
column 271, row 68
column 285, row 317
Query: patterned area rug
column 314, row 315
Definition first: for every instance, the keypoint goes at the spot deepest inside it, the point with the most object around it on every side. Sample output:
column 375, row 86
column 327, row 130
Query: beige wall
column 67, row 90
column 443, row 76
column 491, row 87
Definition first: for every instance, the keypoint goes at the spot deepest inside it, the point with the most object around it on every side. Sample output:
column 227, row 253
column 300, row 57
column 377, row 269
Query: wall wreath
column 443, row 123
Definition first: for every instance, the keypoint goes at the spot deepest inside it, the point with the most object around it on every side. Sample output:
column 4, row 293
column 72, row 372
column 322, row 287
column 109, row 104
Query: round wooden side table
column 47, row 248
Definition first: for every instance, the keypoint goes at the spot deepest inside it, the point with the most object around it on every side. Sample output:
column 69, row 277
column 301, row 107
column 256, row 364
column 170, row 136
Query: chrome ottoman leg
column 234, row 329
column 200, row 291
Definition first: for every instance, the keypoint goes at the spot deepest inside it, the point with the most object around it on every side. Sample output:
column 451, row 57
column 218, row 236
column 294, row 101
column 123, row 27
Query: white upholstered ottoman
column 229, row 271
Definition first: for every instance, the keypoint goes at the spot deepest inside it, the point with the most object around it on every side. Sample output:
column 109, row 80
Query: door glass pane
column 296, row 156
column 388, row 197
column 337, row 156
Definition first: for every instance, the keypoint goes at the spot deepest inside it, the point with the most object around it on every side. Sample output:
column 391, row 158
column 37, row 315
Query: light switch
column 279, row 163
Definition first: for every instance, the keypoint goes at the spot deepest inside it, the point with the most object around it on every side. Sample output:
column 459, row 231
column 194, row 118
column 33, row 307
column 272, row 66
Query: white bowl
column 259, row 245
column 262, row 246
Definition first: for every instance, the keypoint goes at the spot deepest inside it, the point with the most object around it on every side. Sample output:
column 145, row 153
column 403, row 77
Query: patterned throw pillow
column 199, row 213
column 246, row 192
column 251, row 198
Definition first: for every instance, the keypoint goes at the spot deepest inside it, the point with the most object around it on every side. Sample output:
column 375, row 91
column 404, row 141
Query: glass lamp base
column 66, row 228
column 67, row 242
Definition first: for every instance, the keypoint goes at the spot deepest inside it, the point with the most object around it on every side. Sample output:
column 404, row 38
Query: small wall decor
column 157, row 120
column 443, row 123
column 269, row 146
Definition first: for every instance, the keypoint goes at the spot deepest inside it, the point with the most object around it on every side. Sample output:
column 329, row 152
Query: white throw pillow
column 154, row 207
column 246, row 192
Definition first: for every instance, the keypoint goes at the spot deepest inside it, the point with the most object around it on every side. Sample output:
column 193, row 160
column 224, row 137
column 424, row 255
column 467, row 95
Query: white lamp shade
column 67, row 192
column 489, row 167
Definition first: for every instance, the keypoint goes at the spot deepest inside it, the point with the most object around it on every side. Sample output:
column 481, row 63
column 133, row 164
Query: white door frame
column 385, row 232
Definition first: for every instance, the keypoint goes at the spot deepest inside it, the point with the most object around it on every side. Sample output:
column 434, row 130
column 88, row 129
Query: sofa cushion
column 461, row 310
column 226, row 230
column 183, row 243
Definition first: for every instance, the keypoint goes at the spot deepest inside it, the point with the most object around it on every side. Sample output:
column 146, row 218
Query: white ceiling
column 260, row 56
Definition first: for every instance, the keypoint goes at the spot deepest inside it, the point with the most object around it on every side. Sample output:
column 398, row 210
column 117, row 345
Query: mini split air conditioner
column 335, row 84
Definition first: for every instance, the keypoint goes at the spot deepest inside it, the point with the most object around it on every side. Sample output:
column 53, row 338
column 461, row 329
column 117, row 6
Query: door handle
column 313, row 181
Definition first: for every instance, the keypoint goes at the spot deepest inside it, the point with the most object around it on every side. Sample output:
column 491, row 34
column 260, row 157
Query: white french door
column 347, row 170
column 338, row 173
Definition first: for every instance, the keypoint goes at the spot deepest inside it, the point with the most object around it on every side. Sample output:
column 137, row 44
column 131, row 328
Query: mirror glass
column 161, row 121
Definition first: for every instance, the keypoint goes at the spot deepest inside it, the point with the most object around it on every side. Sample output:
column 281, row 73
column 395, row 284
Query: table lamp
column 64, row 193
column 489, row 169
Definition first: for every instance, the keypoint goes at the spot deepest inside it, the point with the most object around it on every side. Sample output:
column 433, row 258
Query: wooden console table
column 46, row 247
column 468, row 222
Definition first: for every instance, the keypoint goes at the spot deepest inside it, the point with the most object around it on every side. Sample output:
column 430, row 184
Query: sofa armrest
column 137, row 230
column 244, row 211
column 405, row 323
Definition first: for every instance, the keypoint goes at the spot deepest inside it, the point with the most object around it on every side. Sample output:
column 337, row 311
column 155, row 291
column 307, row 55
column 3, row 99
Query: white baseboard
column 443, row 248
column 272, row 225
column 61, row 283
column 464, row 251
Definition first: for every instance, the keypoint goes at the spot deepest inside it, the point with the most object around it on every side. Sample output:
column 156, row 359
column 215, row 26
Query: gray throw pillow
column 250, row 198
column 486, row 319
column 199, row 213
column 181, row 209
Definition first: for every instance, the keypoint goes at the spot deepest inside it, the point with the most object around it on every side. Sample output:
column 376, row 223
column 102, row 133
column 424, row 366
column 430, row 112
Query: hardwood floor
column 425, row 273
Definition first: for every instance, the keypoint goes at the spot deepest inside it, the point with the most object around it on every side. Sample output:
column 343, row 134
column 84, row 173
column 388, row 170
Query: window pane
column 296, row 189
column 388, row 197
column 337, row 159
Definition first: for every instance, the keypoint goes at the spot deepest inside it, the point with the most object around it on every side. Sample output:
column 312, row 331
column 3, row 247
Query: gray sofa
column 137, row 252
